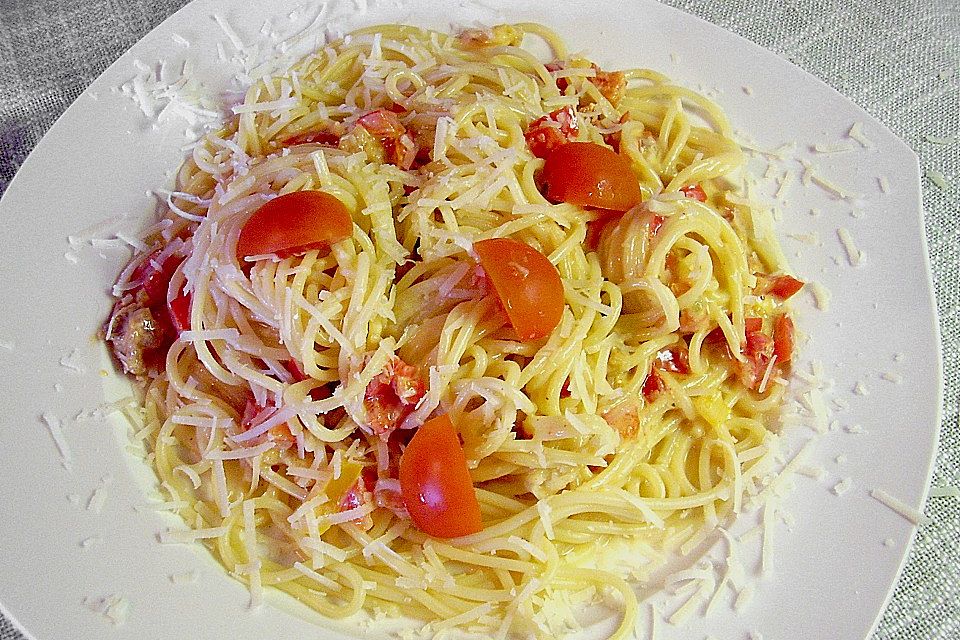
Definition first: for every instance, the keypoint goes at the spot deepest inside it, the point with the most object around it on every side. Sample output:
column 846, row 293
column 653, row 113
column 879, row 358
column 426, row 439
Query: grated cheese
column 544, row 511
column 114, row 608
column 899, row 507
column 890, row 376
column 945, row 492
column 843, row 486
column 854, row 255
column 884, row 184
column 186, row 577
column 821, row 295
column 856, row 133
column 861, row 389
column 937, row 178
column 744, row 597
column 55, row 427
column 187, row 536
column 937, row 139
column 836, row 147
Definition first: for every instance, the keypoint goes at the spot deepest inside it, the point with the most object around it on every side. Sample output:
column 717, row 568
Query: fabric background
column 900, row 60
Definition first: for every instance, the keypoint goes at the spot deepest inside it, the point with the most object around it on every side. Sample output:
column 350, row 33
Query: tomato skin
column 526, row 283
column 590, row 175
column 294, row 223
column 435, row 483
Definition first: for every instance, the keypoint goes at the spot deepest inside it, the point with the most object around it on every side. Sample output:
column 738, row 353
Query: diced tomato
column 565, row 389
column 385, row 125
column 326, row 138
column 758, row 350
column 296, row 372
column 674, row 359
column 551, row 131
column 382, row 124
column 652, row 385
column 752, row 325
column 352, row 498
column 294, row 223
column 179, row 309
column 655, row 223
column 526, row 283
column 392, row 395
column 783, row 333
column 589, row 174
column 256, row 414
column 610, row 84
column 782, row 287
column 556, row 65
column 696, row 192
column 153, row 278
column 625, row 417
column 435, row 482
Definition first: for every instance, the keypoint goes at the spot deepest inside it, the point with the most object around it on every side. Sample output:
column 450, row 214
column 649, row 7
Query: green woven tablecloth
column 900, row 60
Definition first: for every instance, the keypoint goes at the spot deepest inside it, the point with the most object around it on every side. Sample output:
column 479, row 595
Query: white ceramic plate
column 830, row 572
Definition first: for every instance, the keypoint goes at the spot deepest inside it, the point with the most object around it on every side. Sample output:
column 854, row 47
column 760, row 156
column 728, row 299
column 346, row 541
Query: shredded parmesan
column 114, row 608
column 856, row 133
column 843, row 486
column 854, row 255
column 899, row 507
column 55, row 427
column 937, row 178
column 945, row 492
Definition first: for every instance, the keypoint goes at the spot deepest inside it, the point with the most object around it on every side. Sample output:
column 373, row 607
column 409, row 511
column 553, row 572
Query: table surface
column 899, row 60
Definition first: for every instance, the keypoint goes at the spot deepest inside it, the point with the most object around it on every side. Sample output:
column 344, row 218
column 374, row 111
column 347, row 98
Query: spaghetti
column 284, row 384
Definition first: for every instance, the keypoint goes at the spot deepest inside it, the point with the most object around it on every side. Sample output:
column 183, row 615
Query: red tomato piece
column 435, row 482
column 696, row 192
column 154, row 278
column 179, row 309
column 392, row 395
column 294, row 223
column 590, row 175
column 752, row 325
column 783, row 333
column 551, row 131
column 758, row 349
column 382, row 124
column 784, row 287
column 652, row 385
column 256, row 414
column 673, row 359
column 526, row 283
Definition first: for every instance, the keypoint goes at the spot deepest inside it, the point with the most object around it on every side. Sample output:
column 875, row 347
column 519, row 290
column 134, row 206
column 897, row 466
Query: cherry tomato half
column 294, row 223
column 589, row 174
column 527, row 284
column 435, row 483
